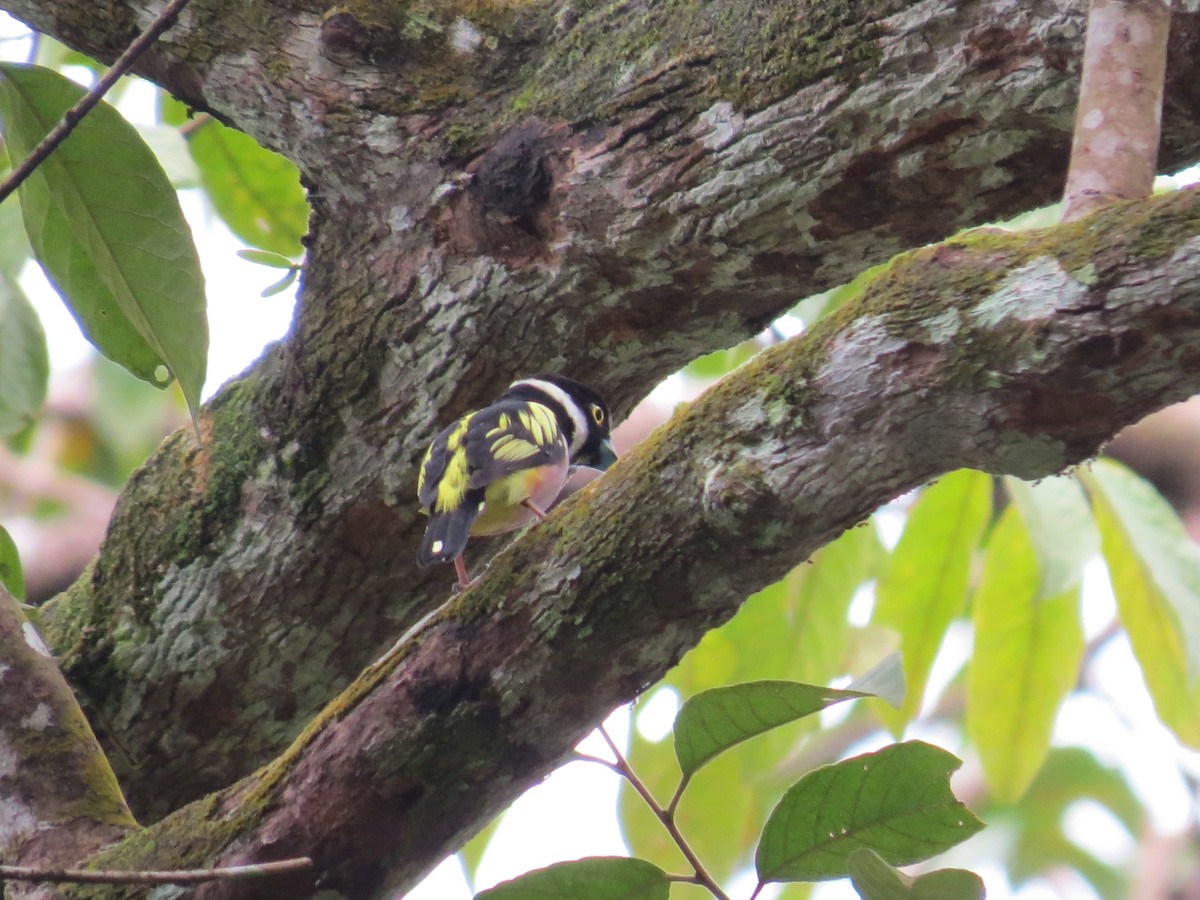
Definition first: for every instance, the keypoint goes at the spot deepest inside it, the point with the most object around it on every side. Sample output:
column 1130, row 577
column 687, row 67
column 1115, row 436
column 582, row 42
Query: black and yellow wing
column 471, row 459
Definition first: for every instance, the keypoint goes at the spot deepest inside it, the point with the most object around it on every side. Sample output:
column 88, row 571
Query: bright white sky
column 572, row 814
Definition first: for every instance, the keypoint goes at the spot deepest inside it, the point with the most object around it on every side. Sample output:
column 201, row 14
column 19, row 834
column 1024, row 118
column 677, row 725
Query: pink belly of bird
column 503, row 509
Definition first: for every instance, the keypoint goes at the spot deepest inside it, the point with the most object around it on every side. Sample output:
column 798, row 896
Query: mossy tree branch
column 58, row 796
column 1012, row 353
column 607, row 190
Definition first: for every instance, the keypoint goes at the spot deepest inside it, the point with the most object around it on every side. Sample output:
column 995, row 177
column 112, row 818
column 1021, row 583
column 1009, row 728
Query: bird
column 500, row 467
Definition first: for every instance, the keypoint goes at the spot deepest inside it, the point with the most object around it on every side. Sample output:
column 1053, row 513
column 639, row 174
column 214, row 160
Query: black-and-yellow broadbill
column 500, row 467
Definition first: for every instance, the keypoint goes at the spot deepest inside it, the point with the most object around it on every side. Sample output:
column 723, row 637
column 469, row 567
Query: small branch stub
column 1114, row 154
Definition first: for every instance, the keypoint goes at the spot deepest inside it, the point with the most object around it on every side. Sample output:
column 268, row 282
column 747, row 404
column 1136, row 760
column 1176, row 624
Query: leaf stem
column 667, row 818
column 74, row 115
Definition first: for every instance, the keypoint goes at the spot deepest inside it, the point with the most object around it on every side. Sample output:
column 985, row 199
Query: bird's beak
column 606, row 455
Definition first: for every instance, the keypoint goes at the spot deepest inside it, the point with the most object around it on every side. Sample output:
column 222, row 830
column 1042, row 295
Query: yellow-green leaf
column 1155, row 572
column 1026, row 658
column 925, row 584
column 256, row 192
column 1060, row 528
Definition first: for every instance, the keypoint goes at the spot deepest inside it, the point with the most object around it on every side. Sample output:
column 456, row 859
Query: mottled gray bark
column 59, row 800
column 608, row 190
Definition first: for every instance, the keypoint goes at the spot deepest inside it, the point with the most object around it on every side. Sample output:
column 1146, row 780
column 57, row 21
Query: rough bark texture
column 1115, row 149
column 604, row 189
column 58, row 797
column 1013, row 354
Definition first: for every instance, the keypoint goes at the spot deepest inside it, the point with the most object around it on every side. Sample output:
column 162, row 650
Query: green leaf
column 1061, row 530
column 107, row 228
column 896, row 801
column 471, row 853
column 1155, row 572
column 11, row 575
column 171, row 150
column 281, row 285
column 267, row 258
column 796, row 630
column 14, row 244
column 925, row 586
column 712, row 722
column 24, row 360
column 598, row 878
column 874, row 879
column 1026, row 658
column 1070, row 774
column 819, row 595
column 720, row 362
column 256, row 192
column 1153, row 531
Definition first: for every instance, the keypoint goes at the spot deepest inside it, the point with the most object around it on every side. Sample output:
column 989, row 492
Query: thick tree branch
column 1013, row 353
column 59, row 801
column 609, row 192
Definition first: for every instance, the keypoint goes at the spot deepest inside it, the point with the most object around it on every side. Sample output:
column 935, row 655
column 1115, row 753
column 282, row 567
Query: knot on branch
column 739, row 501
column 508, row 210
column 345, row 40
column 513, row 179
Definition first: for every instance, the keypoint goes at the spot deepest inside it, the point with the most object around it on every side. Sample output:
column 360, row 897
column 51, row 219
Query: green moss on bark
column 756, row 53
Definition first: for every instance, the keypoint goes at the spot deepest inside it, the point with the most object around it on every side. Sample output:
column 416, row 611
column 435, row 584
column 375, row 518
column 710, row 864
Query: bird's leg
column 533, row 509
column 460, row 566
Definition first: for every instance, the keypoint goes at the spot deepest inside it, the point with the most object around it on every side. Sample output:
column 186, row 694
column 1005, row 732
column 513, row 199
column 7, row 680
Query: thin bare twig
column 183, row 876
column 668, row 820
column 75, row 114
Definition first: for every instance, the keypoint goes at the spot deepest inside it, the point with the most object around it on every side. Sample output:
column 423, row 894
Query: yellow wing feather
column 452, row 486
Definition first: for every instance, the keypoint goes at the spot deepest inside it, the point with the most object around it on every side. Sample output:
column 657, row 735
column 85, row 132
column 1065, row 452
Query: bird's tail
column 446, row 535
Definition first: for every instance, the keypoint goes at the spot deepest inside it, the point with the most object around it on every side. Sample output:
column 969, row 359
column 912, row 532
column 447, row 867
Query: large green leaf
column 24, row 360
column 1026, row 658
column 896, row 802
column 874, row 879
column 255, row 191
column 1155, row 572
column 713, row 721
column 106, row 226
column 598, row 878
column 925, row 585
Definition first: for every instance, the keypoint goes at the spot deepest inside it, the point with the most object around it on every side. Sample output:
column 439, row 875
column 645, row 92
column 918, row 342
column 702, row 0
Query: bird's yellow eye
column 597, row 414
